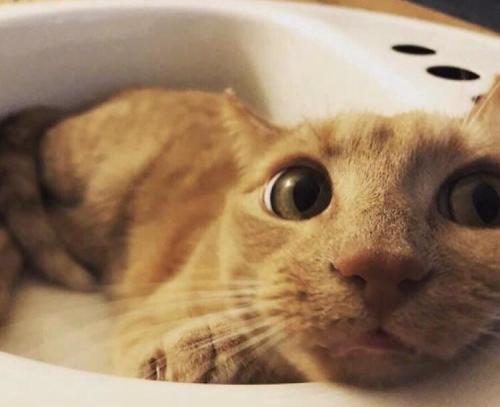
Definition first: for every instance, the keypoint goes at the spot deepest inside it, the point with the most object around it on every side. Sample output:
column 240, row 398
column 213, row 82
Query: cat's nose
column 386, row 279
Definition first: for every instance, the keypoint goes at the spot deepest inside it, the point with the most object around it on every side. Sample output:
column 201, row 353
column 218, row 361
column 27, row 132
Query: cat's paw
column 197, row 356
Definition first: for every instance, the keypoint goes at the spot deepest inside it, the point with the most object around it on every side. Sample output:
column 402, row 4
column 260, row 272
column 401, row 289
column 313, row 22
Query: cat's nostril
column 408, row 286
column 334, row 269
column 355, row 279
column 358, row 281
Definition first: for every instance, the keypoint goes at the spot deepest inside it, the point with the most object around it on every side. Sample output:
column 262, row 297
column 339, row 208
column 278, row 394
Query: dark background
column 482, row 12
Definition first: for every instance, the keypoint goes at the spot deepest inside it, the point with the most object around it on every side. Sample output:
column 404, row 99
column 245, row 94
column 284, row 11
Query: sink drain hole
column 453, row 73
column 413, row 49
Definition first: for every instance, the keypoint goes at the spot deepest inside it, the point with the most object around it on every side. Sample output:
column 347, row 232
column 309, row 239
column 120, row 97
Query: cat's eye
column 298, row 192
column 473, row 200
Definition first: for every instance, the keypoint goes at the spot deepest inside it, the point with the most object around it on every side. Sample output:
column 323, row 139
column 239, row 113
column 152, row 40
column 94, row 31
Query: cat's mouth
column 373, row 341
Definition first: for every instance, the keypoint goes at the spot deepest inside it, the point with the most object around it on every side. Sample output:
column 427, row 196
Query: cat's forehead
column 403, row 142
column 372, row 135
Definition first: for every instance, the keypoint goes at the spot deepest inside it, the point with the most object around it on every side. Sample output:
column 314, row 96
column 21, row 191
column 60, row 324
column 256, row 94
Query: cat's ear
column 487, row 109
column 250, row 134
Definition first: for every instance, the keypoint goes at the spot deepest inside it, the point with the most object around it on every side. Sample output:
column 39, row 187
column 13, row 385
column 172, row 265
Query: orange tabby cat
column 363, row 248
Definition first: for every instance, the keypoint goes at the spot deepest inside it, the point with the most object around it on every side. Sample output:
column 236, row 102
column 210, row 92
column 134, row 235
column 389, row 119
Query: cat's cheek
column 469, row 250
column 257, row 234
column 443, row 322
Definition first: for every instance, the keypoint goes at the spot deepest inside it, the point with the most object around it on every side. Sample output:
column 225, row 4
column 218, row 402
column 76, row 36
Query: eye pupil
column 473, row 201
column 299, row 192
column 486, row 202
column 305, row 193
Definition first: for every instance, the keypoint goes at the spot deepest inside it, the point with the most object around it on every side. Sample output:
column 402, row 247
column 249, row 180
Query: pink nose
column 387, row 280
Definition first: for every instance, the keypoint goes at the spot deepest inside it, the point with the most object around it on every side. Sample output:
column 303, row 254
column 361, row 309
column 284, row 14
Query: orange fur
column 162, row 190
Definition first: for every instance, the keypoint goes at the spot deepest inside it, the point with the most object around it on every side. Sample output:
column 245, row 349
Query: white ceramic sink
column 291, row 61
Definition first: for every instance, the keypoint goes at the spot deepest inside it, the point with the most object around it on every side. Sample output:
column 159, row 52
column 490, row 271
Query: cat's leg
column 11, row 264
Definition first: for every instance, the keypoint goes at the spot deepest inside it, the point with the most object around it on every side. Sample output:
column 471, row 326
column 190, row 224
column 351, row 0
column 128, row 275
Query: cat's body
column 166, row 194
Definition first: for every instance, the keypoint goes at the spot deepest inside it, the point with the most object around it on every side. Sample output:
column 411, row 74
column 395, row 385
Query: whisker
column 240, row 332
column 175, row 302
column 263, row 349
column 207, row 341
column 176, row 327
column 174, row 322
column 203, row 283
column 202, row 289
column 105, row 324
column 251, row 342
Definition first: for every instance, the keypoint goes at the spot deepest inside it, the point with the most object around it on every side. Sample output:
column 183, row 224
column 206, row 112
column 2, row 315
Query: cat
column 362, row 248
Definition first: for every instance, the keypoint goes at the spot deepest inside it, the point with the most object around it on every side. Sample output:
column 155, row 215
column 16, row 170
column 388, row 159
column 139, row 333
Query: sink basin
column 290, row 61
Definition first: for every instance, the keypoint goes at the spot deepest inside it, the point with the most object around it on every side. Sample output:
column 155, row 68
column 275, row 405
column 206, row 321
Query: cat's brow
column 323, row 135
column 479, row 164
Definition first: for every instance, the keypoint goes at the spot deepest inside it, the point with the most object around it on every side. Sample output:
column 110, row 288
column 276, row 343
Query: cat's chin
column 372, row 366
column 376, row 359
